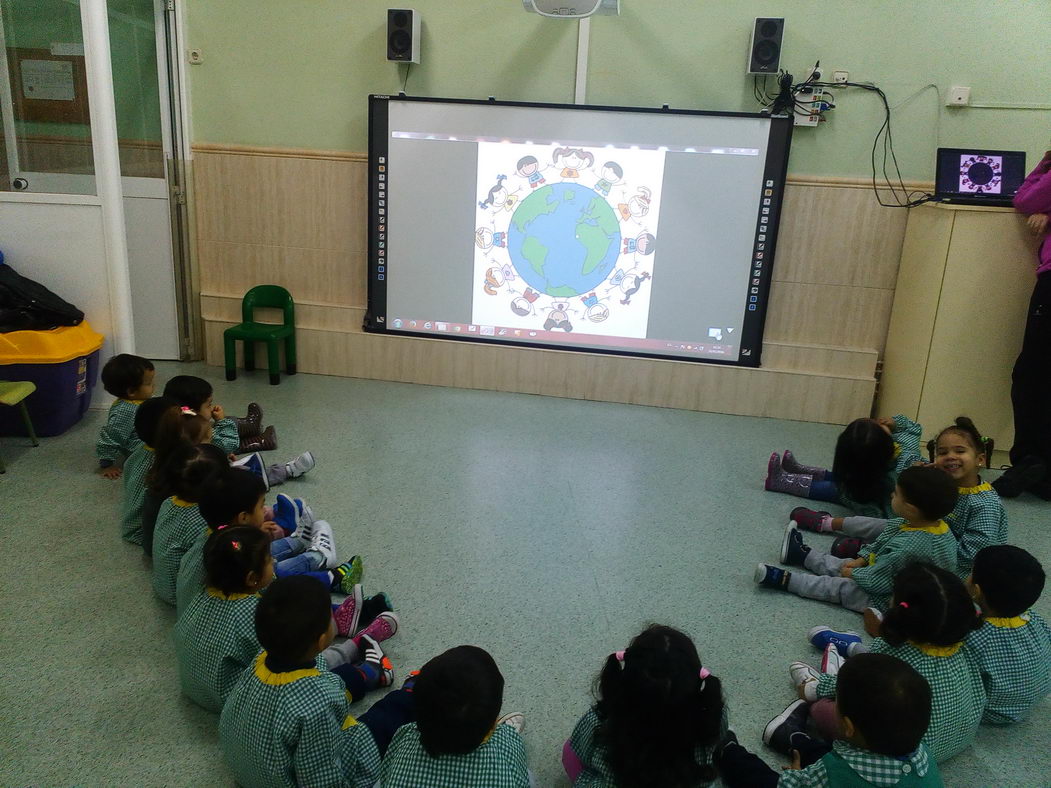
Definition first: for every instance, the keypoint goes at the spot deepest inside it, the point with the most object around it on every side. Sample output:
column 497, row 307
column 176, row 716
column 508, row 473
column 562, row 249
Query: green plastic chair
column 250, row 332
column 14, row 392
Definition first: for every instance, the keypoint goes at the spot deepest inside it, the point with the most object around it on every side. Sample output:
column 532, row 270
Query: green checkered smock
column 214, row 642
column 179, row 523
column 499, row 762
column 225, row 435
column 848, row 766
column 897, row 545
column 117, row 438
column 1014, row 655
column 136, row 469
column 979, row 520
column 906, row 437
column 285, row 730
column 592, row 753
column 957, row 693
column 190, row 580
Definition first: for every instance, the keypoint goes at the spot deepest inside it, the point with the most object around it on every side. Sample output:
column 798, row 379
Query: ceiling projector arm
column 572, row 9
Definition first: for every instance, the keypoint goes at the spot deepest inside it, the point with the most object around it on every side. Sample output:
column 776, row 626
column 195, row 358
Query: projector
column 572, row 9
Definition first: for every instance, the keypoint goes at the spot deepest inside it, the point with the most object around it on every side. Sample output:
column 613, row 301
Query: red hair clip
column 235, row 545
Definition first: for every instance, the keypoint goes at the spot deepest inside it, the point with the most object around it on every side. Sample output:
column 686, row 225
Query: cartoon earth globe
column 564, row 239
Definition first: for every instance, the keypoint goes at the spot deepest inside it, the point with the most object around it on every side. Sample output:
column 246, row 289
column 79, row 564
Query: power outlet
column 196, row 57
column 841, row 77
column 958, row 97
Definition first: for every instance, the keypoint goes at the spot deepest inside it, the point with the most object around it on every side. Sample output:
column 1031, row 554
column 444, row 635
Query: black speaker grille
column 400, row 42
column 766, row 52
column 768, row 29
column 401, row 19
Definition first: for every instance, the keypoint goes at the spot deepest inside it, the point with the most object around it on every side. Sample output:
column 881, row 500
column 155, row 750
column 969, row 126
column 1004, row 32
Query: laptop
column 968, row 176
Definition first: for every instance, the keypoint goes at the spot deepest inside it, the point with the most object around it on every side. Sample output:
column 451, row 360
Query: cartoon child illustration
column 631, row 283
column 529, row 167
column 498, row 276
column 499, row 197
column 642, row 244
column 636, row 207
column 558, row 317
column 594, row 310
column 610, row 173
column 486, row 239
column 523, row 305
column 572, row 160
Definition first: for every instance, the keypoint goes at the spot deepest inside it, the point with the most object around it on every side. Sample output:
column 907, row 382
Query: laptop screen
column 965, row 173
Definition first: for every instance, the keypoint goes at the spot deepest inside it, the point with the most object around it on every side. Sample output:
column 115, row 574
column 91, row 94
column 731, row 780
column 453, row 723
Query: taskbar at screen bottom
column 715, row 348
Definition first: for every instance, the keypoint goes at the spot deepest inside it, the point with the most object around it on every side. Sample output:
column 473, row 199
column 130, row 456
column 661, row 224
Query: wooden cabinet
column 958, row 317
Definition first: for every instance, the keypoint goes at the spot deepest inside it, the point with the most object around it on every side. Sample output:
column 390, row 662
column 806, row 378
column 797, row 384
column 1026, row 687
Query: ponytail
column 493, row 191
column 231, row 553
column 930, row 605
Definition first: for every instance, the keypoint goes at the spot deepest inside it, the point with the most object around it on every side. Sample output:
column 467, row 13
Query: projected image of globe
column 564, row 239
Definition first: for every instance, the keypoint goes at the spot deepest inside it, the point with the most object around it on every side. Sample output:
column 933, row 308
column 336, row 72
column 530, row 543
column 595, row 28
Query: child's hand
column 274, row 531
column 856, row 562
column 1037, row 223
column 112, row 472
column 846, row 571
column 797, row 762
column 887, row 425
column 218, row 412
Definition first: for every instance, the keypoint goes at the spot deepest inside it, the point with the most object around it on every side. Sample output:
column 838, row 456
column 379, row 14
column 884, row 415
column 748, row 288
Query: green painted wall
column 296, row 74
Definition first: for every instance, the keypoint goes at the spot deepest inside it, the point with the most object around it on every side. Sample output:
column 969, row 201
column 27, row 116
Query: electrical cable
column 405, row 79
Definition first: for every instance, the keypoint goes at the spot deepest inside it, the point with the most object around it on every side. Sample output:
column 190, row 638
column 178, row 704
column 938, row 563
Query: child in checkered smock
column 139, row 465
column 870, row 453
column 129, row 379
column 871, row 690
column 287, row 720
column 459, row 738
column 930, row 615
column 1013, row 646
column 657, row 721
column 196, row 394
column 922, row 496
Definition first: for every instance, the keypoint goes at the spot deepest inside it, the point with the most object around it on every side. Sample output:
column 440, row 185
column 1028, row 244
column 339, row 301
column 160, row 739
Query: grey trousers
column 826, row 584
column 867, row 528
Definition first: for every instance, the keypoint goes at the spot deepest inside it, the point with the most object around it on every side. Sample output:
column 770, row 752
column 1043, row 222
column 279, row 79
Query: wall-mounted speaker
column 403, row 35
column 764, row 50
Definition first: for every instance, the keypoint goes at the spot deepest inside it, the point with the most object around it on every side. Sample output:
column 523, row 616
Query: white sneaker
column 806, row 676
column 323, row 542
column 831, row 662
column 300, row 465
column 515, row 719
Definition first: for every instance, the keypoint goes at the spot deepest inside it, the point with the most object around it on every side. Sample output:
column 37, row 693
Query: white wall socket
column 958, row 97
column 196, row 57
column 840, row 77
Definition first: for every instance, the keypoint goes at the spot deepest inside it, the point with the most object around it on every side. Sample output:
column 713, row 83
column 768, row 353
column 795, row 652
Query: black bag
column 26, row 305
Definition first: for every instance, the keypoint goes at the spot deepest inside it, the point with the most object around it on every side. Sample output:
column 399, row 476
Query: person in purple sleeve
column 1031, row 380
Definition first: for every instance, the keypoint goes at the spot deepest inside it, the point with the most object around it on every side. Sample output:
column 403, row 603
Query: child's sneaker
column 374, row 656
column 846, row 547
column 410, row 680
column 778, row 732
column 873, row 620
column 300, row 465
column 294, row 516
column 347, row 575
column 772, row 577
column 253, row 463
column 793, row 550
column 373, row 606
column 323, row 542
column 831, row 661
column 845, row 642
column 811, row 520
column 515, row 719
column 804, row 675
column 348, row 613
column 384, row 627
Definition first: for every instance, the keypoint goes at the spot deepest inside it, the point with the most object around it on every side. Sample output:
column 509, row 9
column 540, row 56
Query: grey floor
column 548, row 531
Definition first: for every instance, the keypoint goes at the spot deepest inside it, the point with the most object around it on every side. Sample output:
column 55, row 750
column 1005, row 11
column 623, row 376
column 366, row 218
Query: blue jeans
column 825, row 490
column 291, row 557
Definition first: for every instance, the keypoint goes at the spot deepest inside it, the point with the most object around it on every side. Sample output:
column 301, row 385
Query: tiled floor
column 547, row 531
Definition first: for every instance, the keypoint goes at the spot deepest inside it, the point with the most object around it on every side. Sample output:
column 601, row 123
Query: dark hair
column 887, row 700
column 1010, row 579
column 929, row 489
column 930, row 605
column 965, row 427
column 123, row 373
column 231, row 553
column 458, row 698
column 615, row 167
column 654, row 710
column 522, row 162
column 652, row 242
column 234, row 491
column 148, row 416
column 492, row 192
column 563, row 152
column 175, row 434
column 188, row 471
column 294, row 612
column 863, row 455
column 190, row 391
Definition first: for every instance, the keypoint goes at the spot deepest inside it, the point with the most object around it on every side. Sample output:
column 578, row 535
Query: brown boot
column 266, row 441
column 252, row 423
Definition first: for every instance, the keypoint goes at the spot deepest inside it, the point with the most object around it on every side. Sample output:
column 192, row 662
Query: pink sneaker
column 773, row 469
column 348, row 613
column 382, row 628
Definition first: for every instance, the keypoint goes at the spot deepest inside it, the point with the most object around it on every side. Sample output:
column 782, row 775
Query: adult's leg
column 1031, row 377
column 838, row 590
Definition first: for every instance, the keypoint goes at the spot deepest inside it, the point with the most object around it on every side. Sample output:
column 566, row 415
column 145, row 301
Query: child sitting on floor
column 130, row 379
column 924, row 494
column 930, row 615
column 977, row 520
column 657, row 721
column 139, row 465
column 870, row 453
column 287, row 720
column 1013, row 645
column 885, row 708
column 215, row 638
column 459, row 738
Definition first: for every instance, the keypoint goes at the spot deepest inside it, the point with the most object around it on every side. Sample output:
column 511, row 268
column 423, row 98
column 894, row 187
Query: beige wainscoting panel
column 824, row 314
